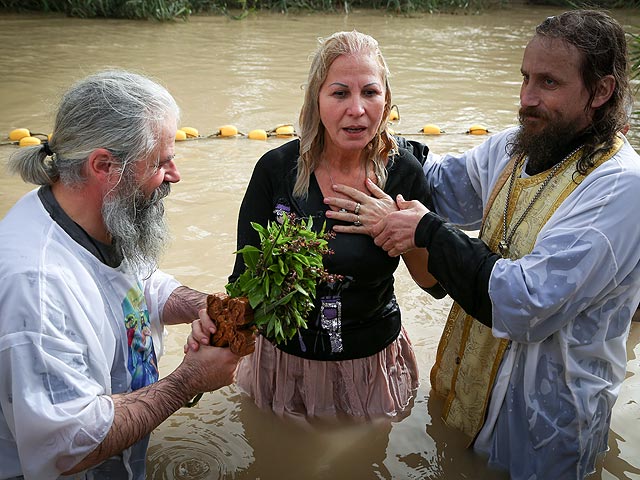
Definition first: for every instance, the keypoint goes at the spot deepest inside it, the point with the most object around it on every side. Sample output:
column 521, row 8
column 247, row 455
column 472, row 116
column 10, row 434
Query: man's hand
column 201, row 330
column 396, row 232
column 363, row 210
column 137, row 413
column 208, row 368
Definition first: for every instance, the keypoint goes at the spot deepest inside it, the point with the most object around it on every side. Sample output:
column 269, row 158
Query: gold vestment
column 469, row 356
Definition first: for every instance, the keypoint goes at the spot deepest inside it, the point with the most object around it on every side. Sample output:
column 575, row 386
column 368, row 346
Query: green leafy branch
column 281, row 276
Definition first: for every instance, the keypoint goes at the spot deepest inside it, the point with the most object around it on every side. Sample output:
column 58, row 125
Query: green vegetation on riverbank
column 634, row 54
column 175, row 9
column 181, row 9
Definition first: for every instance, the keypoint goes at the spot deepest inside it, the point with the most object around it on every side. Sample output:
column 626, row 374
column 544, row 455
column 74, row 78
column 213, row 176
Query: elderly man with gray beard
column 82, row 304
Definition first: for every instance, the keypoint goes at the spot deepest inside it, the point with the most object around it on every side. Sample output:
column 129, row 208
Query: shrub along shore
column 181, row 9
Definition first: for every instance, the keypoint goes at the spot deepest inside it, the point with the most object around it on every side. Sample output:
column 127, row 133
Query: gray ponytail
column 117, row 110
column 34, row 165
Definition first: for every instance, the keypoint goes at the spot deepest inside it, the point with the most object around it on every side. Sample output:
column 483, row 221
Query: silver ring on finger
column 357, row 209
column 357, row 223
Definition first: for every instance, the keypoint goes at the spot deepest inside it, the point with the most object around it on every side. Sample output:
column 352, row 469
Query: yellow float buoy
column 257, row 134
column 477, row 130
column 431, row 129
column 19, row 133
column 180, row 135
column 29, row 141
column 190, row 131
column 285, row 131
column 394, row 113
column 228, row 131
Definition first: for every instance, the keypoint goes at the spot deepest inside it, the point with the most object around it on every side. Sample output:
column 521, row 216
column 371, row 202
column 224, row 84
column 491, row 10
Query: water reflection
column 204, row 442
column 451, row 70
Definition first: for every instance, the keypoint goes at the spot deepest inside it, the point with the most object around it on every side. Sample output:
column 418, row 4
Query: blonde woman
column 354, row 358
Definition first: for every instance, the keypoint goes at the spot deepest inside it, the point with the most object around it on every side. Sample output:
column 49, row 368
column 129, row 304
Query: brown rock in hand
column 233, row 317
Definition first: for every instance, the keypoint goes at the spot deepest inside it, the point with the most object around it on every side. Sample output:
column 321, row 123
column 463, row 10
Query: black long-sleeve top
column 370, row 316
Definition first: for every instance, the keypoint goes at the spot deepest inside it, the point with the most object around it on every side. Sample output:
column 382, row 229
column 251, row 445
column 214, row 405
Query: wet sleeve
column 437, row 291
column 461, row 264
column 157, row 290
column 418, row 191
column 53, row 370
column 417, row 149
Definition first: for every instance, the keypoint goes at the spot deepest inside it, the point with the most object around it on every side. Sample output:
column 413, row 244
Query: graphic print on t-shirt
column 141, row 363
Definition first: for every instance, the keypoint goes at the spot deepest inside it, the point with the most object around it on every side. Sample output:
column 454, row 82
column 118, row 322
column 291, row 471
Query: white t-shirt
column 73, row 331
column 566, row 307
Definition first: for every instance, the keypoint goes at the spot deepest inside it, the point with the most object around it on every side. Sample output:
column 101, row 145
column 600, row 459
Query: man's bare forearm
column 137, row 414
column 183, row 305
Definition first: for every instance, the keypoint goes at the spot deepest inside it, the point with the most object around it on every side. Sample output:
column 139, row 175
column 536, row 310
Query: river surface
column 450, row 70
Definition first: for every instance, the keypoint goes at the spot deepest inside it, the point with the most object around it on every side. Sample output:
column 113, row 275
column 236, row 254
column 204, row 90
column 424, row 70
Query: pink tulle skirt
column 376, row 386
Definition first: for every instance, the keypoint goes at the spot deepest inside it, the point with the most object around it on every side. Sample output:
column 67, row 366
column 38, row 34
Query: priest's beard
column 545, row 147
column 137, row 224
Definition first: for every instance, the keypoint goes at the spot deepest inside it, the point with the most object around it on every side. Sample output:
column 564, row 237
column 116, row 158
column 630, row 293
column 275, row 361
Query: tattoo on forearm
column 183, row 304
column 136, row 415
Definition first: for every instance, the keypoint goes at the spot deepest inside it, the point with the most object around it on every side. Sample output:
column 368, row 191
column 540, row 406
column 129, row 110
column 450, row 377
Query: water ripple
column 206, row 441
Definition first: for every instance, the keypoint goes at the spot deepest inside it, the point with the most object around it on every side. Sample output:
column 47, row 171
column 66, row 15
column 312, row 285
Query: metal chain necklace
column 504, row 244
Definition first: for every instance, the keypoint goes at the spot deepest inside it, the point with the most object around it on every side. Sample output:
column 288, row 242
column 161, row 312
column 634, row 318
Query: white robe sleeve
column 53, row 373
column 579, row 266
column 459, row 185
column 157, row 289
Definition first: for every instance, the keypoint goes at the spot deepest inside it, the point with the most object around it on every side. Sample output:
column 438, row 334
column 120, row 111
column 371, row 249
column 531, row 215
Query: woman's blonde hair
column 311, row 130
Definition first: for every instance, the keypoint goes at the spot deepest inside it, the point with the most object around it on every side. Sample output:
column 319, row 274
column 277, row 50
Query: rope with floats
column 24, row 137
column 432, row 129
